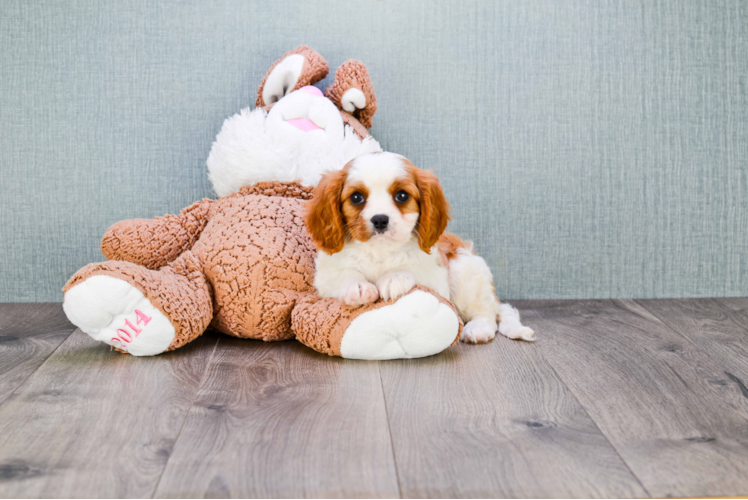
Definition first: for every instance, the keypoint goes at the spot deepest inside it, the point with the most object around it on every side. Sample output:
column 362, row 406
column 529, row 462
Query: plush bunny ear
column 353, row 92
column 297, row 68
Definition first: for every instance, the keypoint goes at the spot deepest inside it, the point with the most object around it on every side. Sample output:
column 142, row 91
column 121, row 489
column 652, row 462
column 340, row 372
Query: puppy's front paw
column 394, row 285
column 359, row 294
column 478, row 331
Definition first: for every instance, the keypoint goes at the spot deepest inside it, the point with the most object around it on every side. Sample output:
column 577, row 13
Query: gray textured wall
column 590, row 148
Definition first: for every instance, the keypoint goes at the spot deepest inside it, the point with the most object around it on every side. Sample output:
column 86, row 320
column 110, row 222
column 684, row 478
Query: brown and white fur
column 379, row 225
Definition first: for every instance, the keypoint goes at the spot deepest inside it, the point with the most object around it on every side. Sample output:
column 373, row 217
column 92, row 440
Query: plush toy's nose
column 312, row 91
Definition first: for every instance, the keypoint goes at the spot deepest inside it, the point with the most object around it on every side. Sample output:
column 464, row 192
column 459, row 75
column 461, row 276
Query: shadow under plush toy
column 244, row 264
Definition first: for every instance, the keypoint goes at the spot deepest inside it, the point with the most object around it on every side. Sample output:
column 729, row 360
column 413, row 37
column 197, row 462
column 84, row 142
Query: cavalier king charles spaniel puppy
column 379, row 225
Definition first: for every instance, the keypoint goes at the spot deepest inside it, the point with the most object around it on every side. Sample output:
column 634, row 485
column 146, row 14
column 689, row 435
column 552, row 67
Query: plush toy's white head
column 299, row 136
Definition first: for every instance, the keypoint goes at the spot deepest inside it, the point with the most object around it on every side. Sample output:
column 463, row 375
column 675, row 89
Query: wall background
column 590, row 148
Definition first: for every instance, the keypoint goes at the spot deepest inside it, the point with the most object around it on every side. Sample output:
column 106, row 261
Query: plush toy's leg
column 420, row 323
column 138, row 310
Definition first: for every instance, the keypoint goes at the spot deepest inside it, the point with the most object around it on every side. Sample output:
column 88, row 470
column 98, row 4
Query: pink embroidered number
column 141, row 317
column 124, row 335
column 134, row 328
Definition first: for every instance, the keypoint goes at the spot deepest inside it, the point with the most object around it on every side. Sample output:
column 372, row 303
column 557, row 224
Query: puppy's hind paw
column 510, row 325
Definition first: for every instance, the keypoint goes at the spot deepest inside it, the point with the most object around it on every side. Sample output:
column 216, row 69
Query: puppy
column 379, row 225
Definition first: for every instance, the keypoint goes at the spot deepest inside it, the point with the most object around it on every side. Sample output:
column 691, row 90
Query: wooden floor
column 616, row 399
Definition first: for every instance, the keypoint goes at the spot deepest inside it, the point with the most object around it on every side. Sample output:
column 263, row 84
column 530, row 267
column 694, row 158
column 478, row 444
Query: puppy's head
column 377, row 197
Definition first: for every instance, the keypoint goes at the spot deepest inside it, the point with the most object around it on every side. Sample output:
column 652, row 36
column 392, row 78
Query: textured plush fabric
column 154, row 243
column 589, row 148
column 354, row 74
column 259, row 258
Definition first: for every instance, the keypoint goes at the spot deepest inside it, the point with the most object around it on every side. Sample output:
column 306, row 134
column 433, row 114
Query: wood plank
column 660, row 400
column 495, row 421
column 280, row 420
column 712, row 326
column 28, row 334
column 91, row 422
column 735, row 303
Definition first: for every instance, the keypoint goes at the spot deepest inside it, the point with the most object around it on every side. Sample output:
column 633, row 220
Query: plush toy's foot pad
column 115, row 312
column 417, row 325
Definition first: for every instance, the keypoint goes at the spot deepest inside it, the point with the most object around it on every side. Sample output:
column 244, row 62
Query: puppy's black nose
column 380, row 222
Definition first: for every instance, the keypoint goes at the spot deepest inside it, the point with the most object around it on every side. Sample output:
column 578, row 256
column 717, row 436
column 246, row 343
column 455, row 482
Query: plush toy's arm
column 154, row 243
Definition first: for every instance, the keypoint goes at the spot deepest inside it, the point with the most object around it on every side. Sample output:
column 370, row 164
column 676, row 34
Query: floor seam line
column 571, row 391
column 186, row 416
column 389, row 430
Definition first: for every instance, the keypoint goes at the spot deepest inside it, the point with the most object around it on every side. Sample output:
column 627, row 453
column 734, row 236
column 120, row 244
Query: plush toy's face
column 306, row 117
column 296, row 133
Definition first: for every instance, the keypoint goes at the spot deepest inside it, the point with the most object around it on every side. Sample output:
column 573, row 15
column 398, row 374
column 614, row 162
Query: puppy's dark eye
column 401, row 197
column 357, row 198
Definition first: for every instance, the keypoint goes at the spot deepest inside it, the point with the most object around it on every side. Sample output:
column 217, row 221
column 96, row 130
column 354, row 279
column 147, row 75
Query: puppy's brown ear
column 353, row 92
column 297, row 68
column 434, row 208
column 324, row 215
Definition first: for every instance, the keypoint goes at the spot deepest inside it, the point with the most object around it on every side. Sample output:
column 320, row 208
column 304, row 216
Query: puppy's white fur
column 389, row 264
column 395, row 268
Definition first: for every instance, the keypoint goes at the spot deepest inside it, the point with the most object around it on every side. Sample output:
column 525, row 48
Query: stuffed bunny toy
column 244, row 264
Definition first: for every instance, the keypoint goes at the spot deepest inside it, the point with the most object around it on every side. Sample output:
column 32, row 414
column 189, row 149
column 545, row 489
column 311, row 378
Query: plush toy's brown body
column 243, row 265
